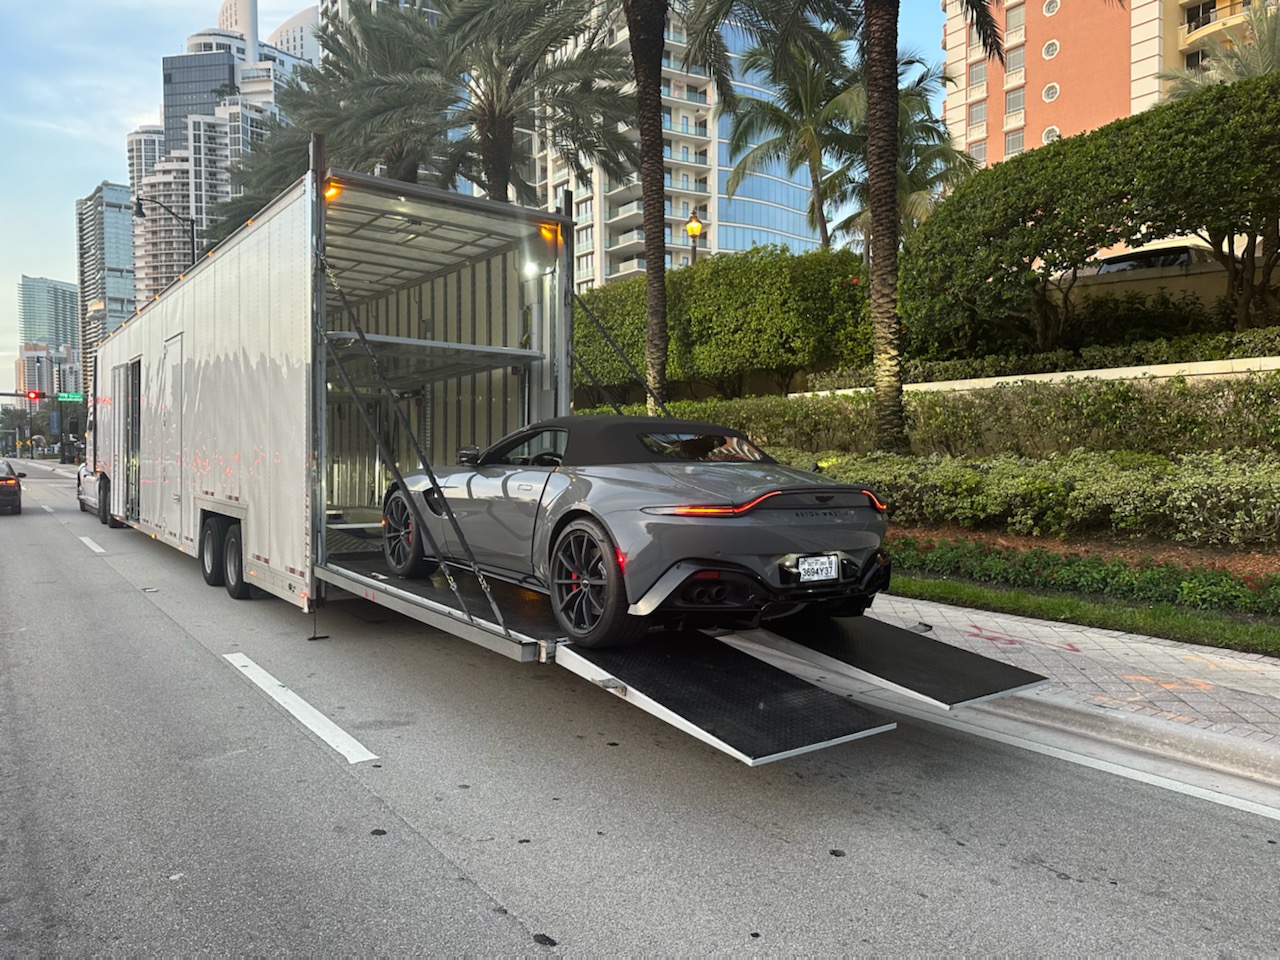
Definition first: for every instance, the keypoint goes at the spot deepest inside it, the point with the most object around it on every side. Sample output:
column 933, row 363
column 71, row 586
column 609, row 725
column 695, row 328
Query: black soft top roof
column 603, row 440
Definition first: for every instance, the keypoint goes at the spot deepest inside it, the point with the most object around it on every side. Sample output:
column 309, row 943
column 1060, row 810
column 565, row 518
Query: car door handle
column 524, row 486
column 177, row 498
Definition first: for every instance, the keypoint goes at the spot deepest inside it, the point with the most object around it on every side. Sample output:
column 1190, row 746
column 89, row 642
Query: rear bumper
column 709, row 588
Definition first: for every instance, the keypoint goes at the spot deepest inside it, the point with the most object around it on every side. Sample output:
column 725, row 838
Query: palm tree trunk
column 881, row 38
column 646, row 20
column 819, row 211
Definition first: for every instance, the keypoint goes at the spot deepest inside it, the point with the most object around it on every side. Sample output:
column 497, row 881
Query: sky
column 78, row 75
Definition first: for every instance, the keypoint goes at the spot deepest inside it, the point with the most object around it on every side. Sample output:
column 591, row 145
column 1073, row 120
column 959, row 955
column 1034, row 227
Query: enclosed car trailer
column 252, row 415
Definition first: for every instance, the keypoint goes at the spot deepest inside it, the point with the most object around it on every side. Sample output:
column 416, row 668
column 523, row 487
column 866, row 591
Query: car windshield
column 703, row 447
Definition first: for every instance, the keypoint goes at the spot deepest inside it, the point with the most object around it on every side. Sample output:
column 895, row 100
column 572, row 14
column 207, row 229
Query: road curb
column 1162, row 738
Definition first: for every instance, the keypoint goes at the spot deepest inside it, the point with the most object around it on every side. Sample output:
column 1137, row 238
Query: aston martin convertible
column 634, row 523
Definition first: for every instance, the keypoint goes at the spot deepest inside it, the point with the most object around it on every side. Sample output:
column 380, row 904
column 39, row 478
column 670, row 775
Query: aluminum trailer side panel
column 203, row 401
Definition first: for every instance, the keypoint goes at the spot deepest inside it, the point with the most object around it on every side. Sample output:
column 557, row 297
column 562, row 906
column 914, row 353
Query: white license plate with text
column 819, row 568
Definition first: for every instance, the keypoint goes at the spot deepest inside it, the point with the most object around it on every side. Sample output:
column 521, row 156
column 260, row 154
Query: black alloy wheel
column 399, row 541
column 588, row 595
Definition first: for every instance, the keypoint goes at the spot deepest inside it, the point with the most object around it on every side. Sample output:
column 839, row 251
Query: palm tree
column 266, row 171
column 1251, row 50
column 880, row 54
column 809, row 120
column 791, row 21
column 928, row 165
column 468, row 96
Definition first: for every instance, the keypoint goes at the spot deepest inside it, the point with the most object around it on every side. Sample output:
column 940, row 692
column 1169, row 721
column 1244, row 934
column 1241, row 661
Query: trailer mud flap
column 725, row 698
column 847, row 654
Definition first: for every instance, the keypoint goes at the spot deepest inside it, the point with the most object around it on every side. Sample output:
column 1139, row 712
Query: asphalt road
column 154, row 800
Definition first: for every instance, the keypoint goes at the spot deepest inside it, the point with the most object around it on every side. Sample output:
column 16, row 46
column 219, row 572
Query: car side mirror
column 815, row 467
column 469, row 456
column 21, row 474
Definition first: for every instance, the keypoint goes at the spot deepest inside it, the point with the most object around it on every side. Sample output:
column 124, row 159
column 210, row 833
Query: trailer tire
column 213, row 536
column 400, row 549
column 104, row 502
column 588, row 595
column 233, row 564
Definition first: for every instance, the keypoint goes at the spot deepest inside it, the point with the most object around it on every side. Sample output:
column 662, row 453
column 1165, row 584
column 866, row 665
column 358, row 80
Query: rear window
column 703, row 447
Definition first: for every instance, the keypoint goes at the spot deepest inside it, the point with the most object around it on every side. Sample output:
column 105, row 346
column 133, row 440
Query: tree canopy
column 1005, row 248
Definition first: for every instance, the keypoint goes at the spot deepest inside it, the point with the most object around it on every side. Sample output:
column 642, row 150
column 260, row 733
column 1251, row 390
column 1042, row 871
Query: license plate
column 819, row 568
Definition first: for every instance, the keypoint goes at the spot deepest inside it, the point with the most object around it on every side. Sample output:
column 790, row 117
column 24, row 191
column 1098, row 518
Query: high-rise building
column 297, row 35
column 145, row 146
column 769, row 207
column 104, row 264
column 48, row 330
column 48, row 312
column 1070, row 67
column 217, row 103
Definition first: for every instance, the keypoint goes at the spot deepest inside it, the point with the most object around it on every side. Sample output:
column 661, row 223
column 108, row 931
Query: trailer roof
column 382, row 234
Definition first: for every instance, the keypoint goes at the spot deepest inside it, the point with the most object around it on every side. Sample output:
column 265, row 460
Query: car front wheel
column 588, row 595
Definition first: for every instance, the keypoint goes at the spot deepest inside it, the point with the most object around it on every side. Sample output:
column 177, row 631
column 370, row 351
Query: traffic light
column 36, row 394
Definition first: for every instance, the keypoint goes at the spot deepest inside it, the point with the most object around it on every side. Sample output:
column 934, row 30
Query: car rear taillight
column 8, row 481
column 876, row 501
column 712, row 510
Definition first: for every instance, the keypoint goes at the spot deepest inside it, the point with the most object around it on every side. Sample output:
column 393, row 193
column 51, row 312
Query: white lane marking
column 303, row 712
column 1106, row 766
column 91, row 545
column 46, row 508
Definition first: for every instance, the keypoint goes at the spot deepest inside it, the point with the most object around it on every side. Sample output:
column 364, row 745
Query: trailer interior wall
column 471, row 340
column 203, row 401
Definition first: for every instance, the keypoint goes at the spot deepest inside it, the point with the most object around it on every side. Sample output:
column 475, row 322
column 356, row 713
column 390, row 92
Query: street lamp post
column 693, row 227
column 189, row 221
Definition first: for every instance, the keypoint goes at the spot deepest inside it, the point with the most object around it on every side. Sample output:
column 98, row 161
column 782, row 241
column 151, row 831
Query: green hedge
column 1223, row 499
column 1264, row 342
column 1198, row 587
column 1026, row 419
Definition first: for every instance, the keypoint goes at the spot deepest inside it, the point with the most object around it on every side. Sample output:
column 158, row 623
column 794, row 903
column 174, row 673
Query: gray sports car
column 634, row 522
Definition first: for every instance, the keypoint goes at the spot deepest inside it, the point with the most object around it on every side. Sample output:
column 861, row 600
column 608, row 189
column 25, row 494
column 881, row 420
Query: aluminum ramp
column 851, row 654
column 724, row 697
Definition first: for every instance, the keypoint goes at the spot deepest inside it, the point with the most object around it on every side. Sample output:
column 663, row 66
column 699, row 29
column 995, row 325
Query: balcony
column 687, row 96
column 632, row 212
column 1015, row 78
column 675, row 35
column 1015, row 119
column 634, row 265
column 630, row 242
column 698, row 159
column 675, row 65
column 1193, row 34
column 977, row 91
column 627, row 186
column 977, row 131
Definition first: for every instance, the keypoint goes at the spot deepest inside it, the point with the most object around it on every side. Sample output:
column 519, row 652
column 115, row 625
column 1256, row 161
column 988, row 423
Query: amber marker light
column 332, row 192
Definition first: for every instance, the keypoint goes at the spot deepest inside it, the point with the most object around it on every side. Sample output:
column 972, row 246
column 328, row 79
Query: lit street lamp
column 693, row 227
column 191, row 224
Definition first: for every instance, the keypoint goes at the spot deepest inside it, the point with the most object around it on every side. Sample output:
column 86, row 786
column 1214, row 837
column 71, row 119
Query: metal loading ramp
column 724, row 697
column 850, row 654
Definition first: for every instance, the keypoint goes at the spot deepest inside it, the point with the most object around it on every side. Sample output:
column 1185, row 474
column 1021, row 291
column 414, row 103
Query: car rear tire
column 233, row 564
column 400, row 546
column 213, row 535
column 16, row 508
column 104, row 500
column 83, row 508
column 588, row 595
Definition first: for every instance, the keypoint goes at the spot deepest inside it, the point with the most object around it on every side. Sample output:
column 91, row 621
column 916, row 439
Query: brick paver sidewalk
column 1236, row 695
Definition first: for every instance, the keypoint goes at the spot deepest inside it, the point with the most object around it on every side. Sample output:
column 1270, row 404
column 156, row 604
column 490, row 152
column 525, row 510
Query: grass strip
column 1151, row 620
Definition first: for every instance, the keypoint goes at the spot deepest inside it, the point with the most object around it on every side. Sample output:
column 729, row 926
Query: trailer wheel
column 233, row 564
column 588, row 595
column 80, row 500
column 401, row 548
column 212, row 538
column 104, row 502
